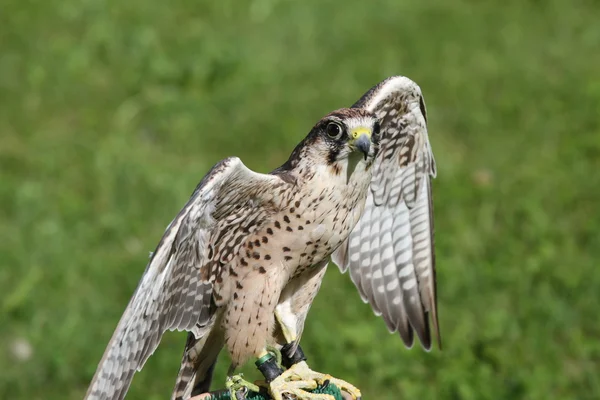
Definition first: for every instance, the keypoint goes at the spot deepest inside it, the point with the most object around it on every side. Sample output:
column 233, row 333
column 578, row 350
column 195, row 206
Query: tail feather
column 203, row 385
column 197, row 364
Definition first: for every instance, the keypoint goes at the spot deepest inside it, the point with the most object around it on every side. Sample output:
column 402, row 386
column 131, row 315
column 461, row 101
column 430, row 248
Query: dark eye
column 376, row 128
column 334, row 130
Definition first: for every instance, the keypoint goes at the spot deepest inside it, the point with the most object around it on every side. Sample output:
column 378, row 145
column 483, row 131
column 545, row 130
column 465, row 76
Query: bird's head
column 343, row 138
column 347, row 133
column 343, row 134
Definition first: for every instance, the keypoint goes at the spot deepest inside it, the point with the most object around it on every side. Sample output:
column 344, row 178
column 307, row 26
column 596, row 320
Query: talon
column 325, row 380
column 236, row 384
column 241, row 394
column 299, row 380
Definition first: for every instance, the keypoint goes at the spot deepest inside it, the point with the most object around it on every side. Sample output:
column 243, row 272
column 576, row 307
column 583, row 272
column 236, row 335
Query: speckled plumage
column 250, row 247
column 390, row 252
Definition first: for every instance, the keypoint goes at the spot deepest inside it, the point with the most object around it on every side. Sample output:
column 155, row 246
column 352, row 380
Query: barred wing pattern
column 177, row 290
column 390, row 251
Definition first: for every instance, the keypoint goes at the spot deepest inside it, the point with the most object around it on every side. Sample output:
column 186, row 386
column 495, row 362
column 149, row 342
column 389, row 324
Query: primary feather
column 390, row 251
column 176, row 291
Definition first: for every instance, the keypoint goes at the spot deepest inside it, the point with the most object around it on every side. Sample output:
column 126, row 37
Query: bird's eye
column 376, row 128
column 334, row 130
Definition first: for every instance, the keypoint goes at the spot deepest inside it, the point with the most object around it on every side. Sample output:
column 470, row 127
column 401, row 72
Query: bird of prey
column 241, row 263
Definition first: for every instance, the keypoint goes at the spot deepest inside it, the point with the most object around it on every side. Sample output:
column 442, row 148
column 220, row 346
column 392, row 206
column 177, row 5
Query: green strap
column 329, row 389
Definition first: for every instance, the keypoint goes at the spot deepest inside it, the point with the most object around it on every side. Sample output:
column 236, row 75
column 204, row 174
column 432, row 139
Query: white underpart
column 287, row 318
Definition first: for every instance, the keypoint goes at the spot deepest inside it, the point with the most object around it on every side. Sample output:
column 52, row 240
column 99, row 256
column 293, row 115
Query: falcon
column 241, row 263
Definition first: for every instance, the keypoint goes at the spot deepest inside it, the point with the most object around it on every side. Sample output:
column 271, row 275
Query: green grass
column 112, row 111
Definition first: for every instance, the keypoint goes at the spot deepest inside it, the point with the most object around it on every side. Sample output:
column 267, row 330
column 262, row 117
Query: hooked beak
column 363, row 144
column 361, row 140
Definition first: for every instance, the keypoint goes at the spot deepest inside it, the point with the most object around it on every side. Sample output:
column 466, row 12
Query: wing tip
column 424, row 333
column 436, row 328
column 384, row 87
column 407, row 336
column 429, row 336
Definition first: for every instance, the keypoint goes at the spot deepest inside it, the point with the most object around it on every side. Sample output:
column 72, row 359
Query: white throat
column 353, row 161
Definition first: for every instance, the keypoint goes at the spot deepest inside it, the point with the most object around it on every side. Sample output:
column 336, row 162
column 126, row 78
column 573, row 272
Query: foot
column 299, row 378
column 238, row 385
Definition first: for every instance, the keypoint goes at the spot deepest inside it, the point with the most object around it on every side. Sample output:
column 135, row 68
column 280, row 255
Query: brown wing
column 177, row 290
column 390, row 251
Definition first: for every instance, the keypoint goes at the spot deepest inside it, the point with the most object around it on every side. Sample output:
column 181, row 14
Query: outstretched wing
column 390, row 251
column 177, row 290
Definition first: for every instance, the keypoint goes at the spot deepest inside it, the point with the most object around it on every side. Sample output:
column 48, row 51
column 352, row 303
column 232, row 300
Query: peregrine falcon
column 244, row 259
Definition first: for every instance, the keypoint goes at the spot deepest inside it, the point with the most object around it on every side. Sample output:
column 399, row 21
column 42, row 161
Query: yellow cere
column 359, row 131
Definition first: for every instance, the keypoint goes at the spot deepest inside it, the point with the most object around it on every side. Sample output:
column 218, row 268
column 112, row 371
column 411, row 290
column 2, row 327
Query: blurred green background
column 111, row 112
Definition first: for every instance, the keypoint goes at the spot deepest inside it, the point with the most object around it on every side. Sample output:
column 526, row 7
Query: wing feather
column 390, row 252
column 364, row 268
column 372, row 251
column 176, row 290
column 382, row 247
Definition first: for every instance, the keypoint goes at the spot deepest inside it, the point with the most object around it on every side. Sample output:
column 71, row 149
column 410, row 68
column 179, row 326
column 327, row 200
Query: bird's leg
column 298, row 378
column 295, row 360
column 269, row 364
column 236, row 384
column 277, row 381
column 281, row 385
